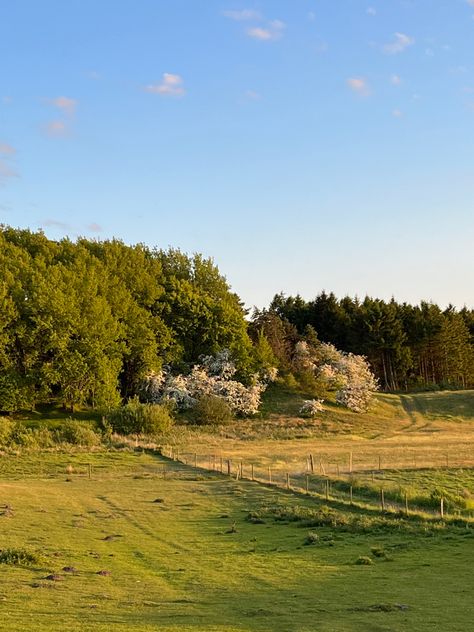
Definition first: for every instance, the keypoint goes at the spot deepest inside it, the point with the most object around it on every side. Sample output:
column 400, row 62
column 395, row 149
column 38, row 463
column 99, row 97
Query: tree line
column 83, row 322
column 408, row 346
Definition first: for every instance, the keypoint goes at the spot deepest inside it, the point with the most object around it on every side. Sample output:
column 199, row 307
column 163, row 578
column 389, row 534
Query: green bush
column 137, row 418
column 18, row 557
column 78, row 433
column 6, row 430
column 211, row 410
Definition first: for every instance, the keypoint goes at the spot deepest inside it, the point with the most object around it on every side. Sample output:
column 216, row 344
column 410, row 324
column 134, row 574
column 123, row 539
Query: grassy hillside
column 178, row 552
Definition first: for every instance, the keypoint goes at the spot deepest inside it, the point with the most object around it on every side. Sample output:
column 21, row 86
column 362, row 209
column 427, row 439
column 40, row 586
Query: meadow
column 129, row 538
column 147, row 543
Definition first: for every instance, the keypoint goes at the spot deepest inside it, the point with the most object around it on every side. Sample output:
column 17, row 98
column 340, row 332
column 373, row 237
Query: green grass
column 182, row 554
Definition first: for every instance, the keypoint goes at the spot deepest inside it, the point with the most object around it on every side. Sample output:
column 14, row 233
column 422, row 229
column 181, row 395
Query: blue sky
column 303, row 144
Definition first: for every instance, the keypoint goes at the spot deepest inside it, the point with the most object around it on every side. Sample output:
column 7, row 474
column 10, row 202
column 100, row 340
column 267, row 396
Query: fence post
column 350, row 462
column 195, row 460
column 269, row 474
column 251, row 469
column 337, row 469
column 350, row 495
column 287, row 481
column 382, row 499
column 307, row 483
column 441, row 507
column 380, row 463
column 406, row 503
column 228, row 467
column 89, row 470
column 327, row 489
column 222, row 465
column 321, row 466
column 311, row 460
column 241, row 469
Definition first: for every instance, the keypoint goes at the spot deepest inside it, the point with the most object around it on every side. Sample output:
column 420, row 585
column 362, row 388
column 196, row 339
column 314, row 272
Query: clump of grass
column 311, row 538
column 18, row 557
column 378, row 551
column 254, row 517
column 364, row 560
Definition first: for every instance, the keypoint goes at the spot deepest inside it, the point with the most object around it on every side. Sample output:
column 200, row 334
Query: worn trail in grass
column 182, row 556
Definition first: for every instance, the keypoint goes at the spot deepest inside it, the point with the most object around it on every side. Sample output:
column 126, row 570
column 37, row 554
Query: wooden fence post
column 241, row 469
column 406, row 503
column 327, row 489
column 89, row 470
column 350, row 495
column 307, row 483
column 311, row 460
column 382, row 499
column 251, row 470
column 380, row 463
column 287, row 481
column 441, row 507
column 222, row 465
column 269, row 474
column 195, row 460
column 350, row 462
column 228, row 467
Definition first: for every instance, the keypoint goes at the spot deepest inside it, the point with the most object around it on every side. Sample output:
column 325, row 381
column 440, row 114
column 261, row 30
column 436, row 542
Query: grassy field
column 399, row 431
column 177, row 551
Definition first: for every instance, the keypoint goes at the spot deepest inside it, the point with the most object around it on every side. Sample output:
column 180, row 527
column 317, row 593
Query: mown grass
column 149, row 544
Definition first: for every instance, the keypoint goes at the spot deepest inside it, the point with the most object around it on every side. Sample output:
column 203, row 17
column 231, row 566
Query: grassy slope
column 176, row 567
column 403, row 430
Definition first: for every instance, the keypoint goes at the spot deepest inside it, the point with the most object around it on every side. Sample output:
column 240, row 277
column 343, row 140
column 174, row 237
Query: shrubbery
column 212, row 410
column 137, row 418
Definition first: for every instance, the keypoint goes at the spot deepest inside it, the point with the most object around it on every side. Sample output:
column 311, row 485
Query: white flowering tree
column 346, row 373
column 213, row 376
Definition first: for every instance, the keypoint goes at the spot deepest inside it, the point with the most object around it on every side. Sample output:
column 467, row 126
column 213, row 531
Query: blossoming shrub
column 210, row 378
column 311, row 407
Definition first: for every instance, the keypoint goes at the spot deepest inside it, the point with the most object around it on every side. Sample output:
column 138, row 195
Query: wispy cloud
column 395, row 80
column 56, row 129
column 6, row 170
column 65, row 104
column 7, row 150
column 171, row 85
column 397, row 113
column 371, row 11
column 252, row 95
column 55, row 223
column 272, row 31
column 470, row 3
column 94, row 228
column 7, row 100
column 359, row 86
column 242, row 15
column 400, row 43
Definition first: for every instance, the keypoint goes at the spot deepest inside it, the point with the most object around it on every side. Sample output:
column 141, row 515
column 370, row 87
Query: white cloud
column 400, row 43
column 56, row 128
column 395, row 80
column 242, row 15
column 359, row 86
column 371, row 11
column 272, row 31
column 171, row 85
column 65, row 104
